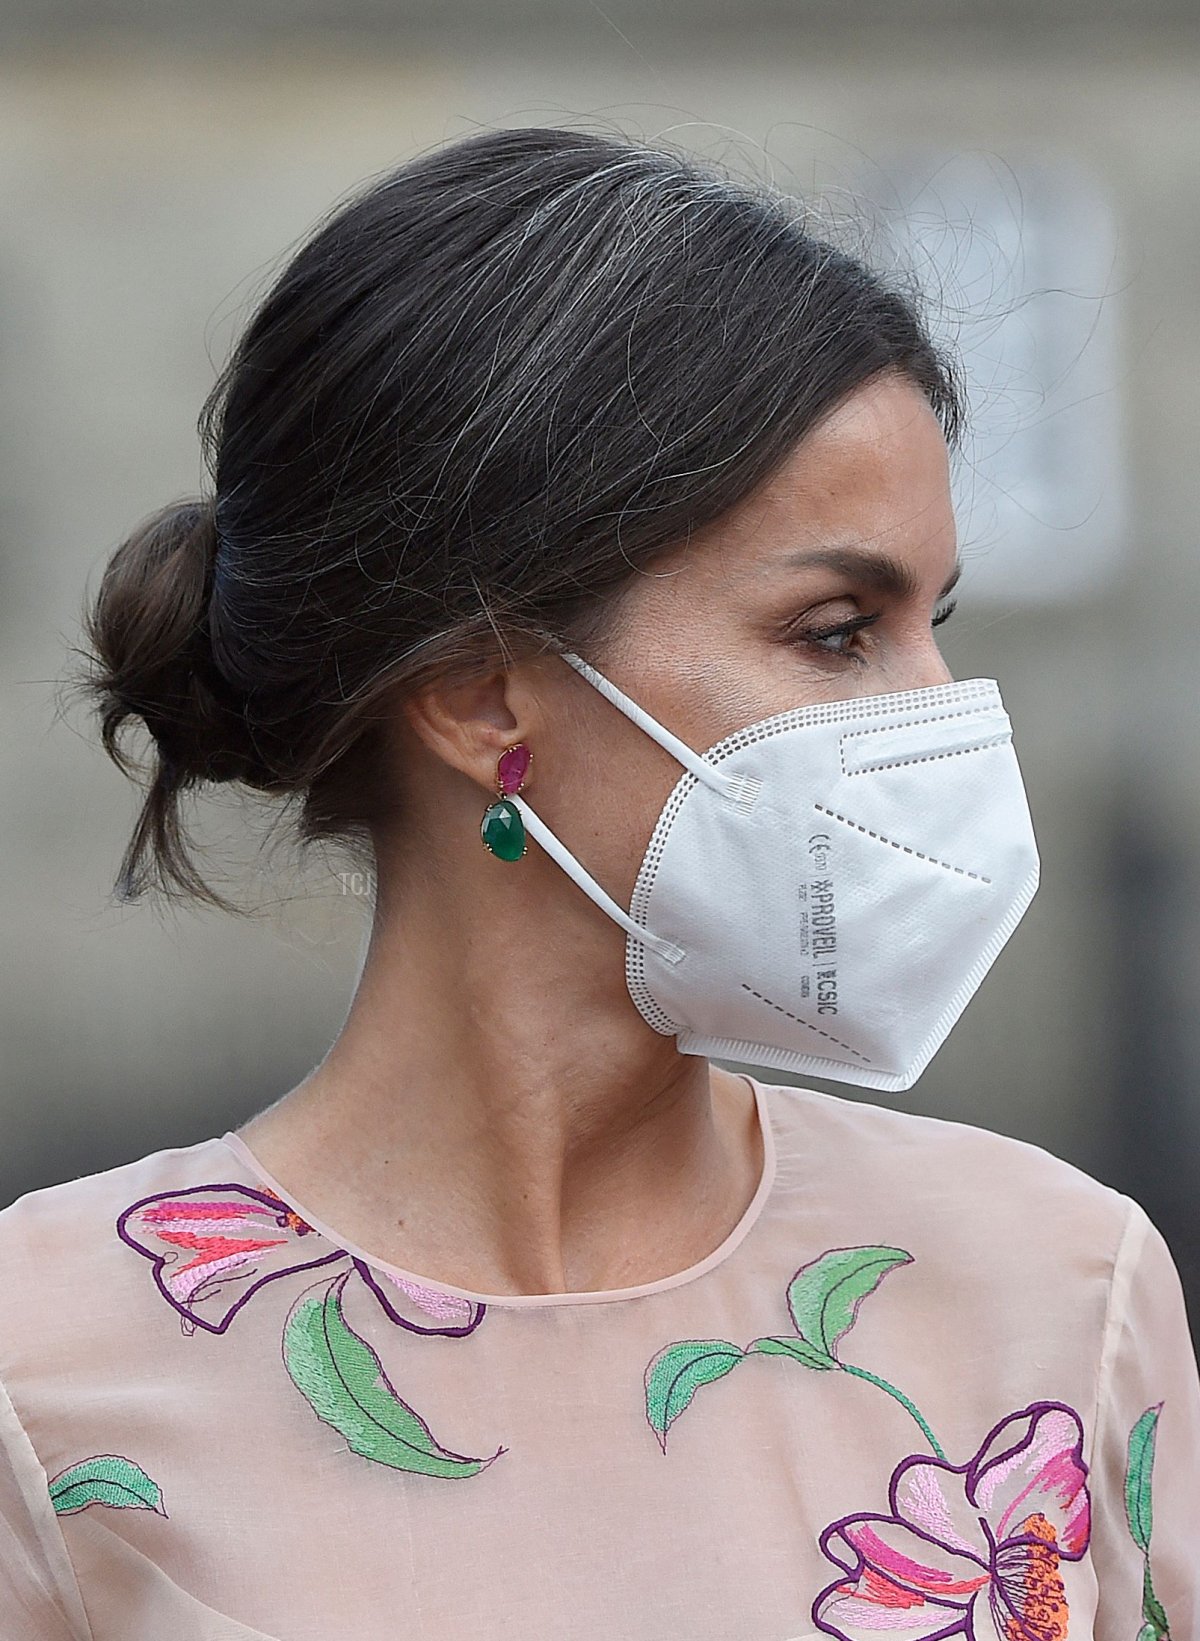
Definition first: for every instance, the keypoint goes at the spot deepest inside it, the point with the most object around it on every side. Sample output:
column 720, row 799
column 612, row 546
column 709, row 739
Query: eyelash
column 847, row 629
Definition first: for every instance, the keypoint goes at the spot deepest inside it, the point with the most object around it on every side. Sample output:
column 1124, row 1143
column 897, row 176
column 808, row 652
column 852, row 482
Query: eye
column 837, row 640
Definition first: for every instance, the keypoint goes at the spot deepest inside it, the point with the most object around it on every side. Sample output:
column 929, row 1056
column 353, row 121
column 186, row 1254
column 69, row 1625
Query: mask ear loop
column 729, row 786
column 739, row 789
column 559, row 852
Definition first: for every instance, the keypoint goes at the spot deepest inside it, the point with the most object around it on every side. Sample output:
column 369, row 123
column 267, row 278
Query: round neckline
column 593, row 1296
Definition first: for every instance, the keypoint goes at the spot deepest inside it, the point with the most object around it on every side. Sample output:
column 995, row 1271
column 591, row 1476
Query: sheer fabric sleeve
column 1145, row 1477
column 39, row 1599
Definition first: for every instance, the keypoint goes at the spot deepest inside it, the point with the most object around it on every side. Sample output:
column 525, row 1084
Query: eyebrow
column 879, row 571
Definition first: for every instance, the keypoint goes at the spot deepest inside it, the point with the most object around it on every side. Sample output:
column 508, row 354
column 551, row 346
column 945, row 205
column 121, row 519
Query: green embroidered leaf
column 344, row 1382
column 105, row 1478
column 1152, row 1610
column 677, row 1372
column 1138, row 1474
column 799, row 1349
column 824, row 1296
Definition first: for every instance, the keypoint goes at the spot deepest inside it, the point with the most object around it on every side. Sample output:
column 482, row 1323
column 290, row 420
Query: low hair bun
column 151, row 658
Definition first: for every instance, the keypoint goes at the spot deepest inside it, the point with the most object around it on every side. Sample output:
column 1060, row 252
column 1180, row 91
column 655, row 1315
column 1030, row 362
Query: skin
column 495, row 1114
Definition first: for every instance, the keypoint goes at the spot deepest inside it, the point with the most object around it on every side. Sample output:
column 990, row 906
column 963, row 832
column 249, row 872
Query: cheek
column 705, row 687
column 607, row 796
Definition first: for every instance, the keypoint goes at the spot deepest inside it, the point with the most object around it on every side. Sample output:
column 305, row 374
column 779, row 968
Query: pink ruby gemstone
column 512, row 767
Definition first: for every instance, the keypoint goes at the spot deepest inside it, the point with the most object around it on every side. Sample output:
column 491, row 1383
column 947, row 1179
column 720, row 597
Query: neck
column 496, row 1114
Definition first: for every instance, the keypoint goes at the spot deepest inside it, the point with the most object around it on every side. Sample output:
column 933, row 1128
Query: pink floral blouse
column 934, row 1383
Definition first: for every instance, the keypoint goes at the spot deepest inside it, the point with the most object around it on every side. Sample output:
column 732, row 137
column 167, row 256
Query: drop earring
column 502, row 829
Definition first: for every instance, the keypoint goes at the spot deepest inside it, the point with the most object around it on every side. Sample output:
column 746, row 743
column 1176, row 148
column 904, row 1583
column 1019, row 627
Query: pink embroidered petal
column 869, row 1606
column 206, row 1242
column 911, row 1560
column 447, row 1307
column 407, row 1302
column 930, row 1495
column 1031, row 1467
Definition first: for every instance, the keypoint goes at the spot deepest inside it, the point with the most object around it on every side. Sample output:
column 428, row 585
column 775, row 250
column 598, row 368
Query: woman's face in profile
column 827, row 583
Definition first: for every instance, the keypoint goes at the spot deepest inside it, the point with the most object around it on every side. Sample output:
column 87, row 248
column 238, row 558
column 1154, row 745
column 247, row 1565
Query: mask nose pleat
column 951, row 736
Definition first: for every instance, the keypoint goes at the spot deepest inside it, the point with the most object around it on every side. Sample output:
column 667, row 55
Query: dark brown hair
column 486, row 391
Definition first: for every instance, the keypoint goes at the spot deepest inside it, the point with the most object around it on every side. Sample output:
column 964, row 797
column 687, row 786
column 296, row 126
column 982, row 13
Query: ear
column 467, row 723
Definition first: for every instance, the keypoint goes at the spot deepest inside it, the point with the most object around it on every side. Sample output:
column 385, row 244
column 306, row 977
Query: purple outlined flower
column 207, row 1242
column 972, row 1549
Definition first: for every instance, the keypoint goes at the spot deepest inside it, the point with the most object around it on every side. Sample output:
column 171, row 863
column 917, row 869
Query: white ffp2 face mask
column 825, row 889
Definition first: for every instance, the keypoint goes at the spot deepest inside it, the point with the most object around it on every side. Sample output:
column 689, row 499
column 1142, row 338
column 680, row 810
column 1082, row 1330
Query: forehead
column 874, row 473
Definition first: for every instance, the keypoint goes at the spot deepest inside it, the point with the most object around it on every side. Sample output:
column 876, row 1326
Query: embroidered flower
column 214, row 1246
column 973, row 1549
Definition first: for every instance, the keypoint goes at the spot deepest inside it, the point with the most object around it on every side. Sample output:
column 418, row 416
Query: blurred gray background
column 1037, row 166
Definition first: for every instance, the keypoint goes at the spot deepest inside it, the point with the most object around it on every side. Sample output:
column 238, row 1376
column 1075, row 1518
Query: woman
column 566, row 490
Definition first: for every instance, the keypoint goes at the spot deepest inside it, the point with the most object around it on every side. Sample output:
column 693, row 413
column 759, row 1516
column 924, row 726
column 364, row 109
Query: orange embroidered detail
column 295, row 1223
column 1041, row 1598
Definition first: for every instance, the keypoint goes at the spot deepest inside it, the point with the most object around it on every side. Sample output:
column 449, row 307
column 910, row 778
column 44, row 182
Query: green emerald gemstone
column 503, row 830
